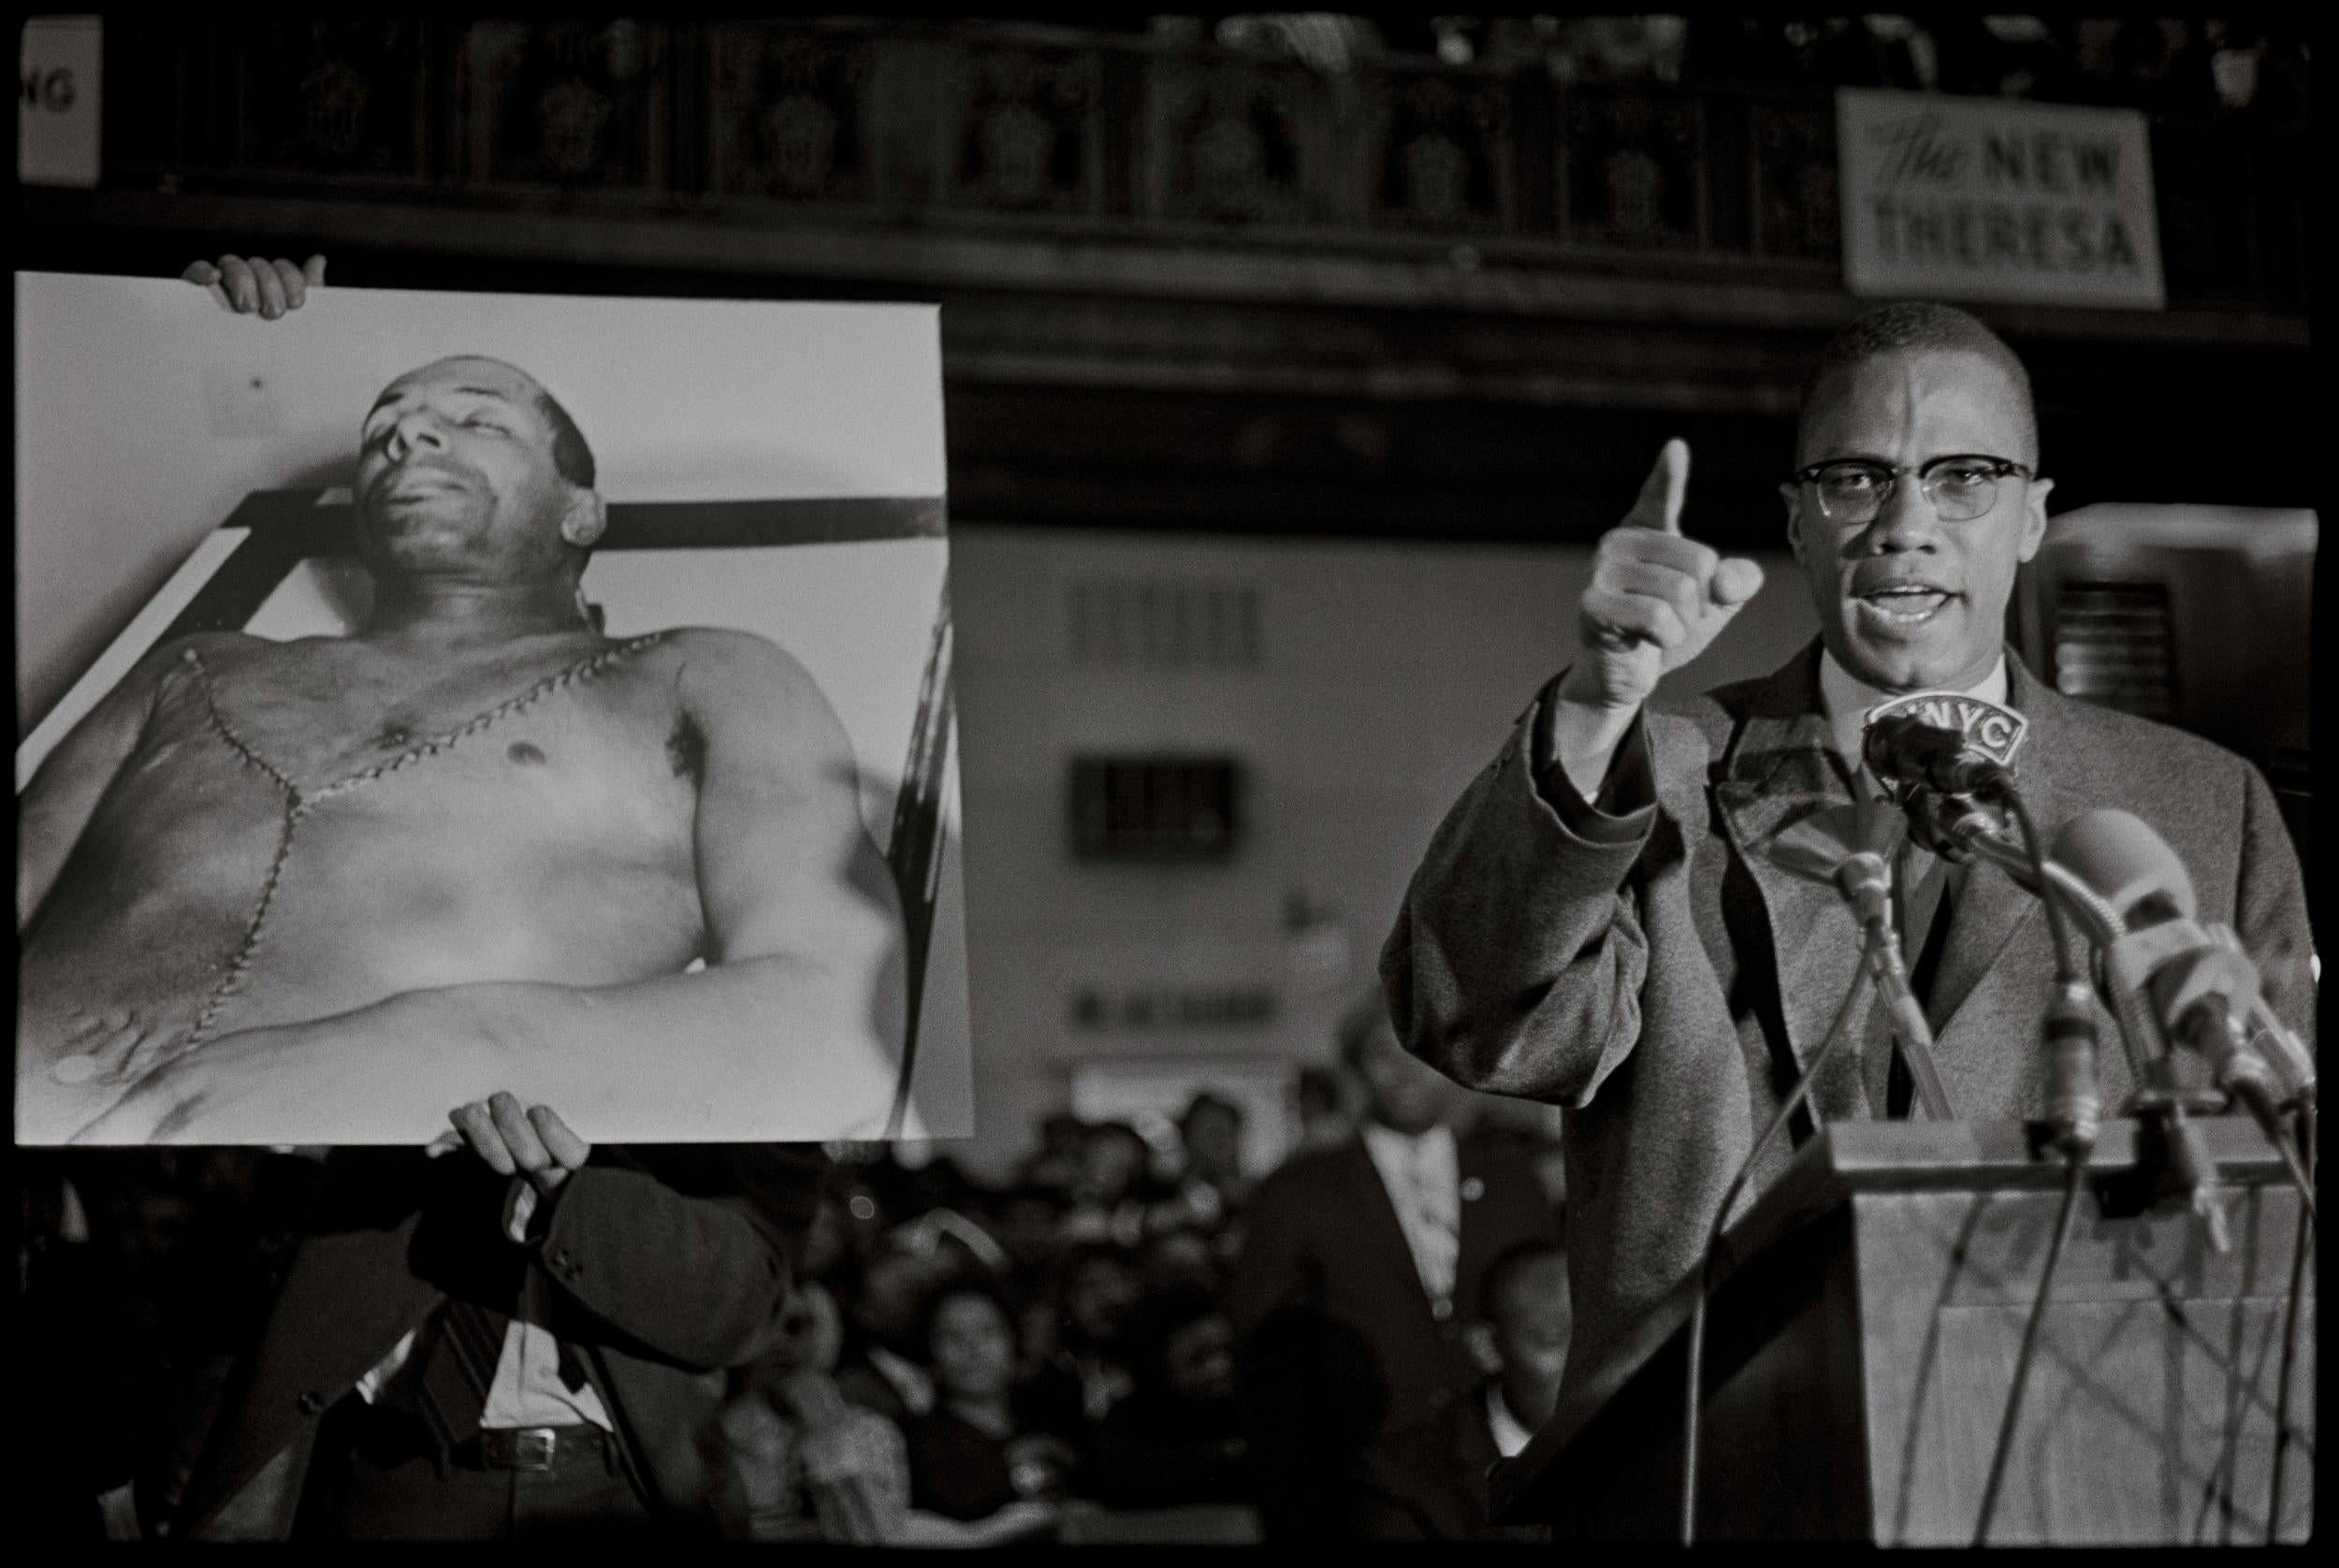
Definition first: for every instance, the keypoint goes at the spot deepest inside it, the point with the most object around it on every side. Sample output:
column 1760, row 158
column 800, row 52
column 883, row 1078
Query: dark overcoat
column 1666, row 988
column 664, row 1265
column 1342, row 1349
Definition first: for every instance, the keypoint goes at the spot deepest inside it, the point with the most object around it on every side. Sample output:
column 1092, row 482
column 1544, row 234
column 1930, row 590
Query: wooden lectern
column 1861, row 1343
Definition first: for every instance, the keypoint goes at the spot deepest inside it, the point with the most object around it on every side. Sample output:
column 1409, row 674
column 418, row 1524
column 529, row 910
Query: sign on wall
column 56, row 100
column 1996, row 199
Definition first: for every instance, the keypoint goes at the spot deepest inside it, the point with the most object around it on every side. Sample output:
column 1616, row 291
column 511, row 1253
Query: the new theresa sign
column 1991, row 199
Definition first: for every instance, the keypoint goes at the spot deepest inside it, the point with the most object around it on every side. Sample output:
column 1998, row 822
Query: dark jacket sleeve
column 1517, row 958
column 2270, row 914
column 699, row 1279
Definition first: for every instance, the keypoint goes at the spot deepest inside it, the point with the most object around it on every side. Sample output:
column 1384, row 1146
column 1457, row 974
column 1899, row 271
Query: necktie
column 457, row 1366
column 1920, row 907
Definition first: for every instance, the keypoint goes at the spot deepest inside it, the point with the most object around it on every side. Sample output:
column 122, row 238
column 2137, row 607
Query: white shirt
column 1510, row 1436
column 1423, row 1176
column 1846, row 698
column 526, row 1391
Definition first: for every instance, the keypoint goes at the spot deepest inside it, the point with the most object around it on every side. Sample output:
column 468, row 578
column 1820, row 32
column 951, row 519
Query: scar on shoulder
column 526, row 754
column 686, row 749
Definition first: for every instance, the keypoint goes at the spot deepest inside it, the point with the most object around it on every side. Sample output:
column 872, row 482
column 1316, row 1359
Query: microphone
column 2179, row 981
column 1908, row 750
column 1849, row 849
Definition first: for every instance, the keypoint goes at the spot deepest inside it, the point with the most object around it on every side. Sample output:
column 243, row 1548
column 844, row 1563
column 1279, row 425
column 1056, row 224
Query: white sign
column 1991, row 199
column 57, row 100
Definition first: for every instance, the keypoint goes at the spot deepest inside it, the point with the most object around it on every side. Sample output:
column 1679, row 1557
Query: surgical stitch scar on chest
column 298, row 804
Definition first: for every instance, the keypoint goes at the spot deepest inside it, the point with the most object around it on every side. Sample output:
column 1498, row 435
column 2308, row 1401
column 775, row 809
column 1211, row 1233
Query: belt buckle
column 532, row 1447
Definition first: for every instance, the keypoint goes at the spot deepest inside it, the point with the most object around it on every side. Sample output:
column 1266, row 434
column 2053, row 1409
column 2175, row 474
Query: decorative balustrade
column 1007, row 128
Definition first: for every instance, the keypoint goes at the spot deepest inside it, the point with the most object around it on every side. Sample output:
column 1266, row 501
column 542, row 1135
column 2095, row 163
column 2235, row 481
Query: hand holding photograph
column 461, row 779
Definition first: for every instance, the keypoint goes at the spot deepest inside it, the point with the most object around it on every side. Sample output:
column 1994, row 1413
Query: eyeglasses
column 1960, row 487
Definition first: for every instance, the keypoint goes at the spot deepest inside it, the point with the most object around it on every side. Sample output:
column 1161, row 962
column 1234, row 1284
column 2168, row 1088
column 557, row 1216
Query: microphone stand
column 2074, row 1102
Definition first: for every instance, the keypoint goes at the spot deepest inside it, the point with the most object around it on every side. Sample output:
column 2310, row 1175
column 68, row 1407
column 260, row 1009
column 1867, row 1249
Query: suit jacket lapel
column 1991, row 909
column 1372, row 1198
column 1778, row 769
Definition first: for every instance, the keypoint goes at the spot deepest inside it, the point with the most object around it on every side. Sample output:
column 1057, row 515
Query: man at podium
column 1595, row 921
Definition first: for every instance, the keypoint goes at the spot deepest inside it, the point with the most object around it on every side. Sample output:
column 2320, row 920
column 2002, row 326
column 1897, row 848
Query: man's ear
column 1792, row 494
column 2034, row 520
column 586, row 519
column 1478, row 1343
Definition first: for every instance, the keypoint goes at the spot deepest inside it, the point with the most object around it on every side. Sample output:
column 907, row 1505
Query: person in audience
column 1177, row 1439
column 1023, row 1218
column 794, row 1461
column 1085, row 1372
column 879, row 1368
column 1213, row 1187
column 1057, row 1165
column 1520, row 1344
column 1180, row 1260
column 1108, row 1197
column 1362, row 1266
column 972, row 1457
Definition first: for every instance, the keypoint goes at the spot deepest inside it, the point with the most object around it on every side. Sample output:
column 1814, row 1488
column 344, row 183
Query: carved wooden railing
column 988, row 129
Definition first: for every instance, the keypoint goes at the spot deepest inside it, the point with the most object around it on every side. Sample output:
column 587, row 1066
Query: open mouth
column 1904, row 605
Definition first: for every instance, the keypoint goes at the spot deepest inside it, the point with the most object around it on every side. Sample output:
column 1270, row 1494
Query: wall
column 1388, row 674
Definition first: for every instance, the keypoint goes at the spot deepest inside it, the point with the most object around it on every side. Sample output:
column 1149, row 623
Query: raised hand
column 258, row 286
column 1656, row 602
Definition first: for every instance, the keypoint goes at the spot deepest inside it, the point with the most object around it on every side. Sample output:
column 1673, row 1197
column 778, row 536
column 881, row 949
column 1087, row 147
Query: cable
column 2066, row 964
column 2075, row 1169
column 2299, row 1178
column 2290, row 1324
column 1879, row 933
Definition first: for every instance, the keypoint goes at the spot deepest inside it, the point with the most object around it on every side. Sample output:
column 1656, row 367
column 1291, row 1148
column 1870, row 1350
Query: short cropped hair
column 1509, row 1266
column 572, row 456
column 1913, row 327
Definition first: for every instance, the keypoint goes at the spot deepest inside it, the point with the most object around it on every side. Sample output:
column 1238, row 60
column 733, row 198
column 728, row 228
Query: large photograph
column 562, row 708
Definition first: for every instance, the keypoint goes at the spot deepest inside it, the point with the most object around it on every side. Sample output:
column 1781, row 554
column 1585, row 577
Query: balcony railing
column 986, row 129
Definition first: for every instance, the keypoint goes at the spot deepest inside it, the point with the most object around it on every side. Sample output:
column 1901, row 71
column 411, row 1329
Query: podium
column 1861, row 1343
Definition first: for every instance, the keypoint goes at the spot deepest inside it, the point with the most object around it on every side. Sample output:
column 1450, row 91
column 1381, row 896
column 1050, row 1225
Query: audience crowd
column 1125, row 1341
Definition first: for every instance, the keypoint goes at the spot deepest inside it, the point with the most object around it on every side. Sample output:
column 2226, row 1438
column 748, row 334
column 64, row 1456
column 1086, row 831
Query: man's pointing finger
column 1659, row 504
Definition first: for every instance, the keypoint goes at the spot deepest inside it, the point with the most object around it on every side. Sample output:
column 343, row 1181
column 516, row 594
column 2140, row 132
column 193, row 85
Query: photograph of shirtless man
column 321, row 890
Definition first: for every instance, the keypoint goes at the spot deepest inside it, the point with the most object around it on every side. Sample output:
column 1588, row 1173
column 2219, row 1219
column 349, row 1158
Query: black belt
column 534, row 1448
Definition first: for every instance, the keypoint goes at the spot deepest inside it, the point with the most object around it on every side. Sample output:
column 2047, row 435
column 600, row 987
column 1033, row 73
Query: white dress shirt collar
column 1845, row 698
column 1510, row 1433
column 1423, row 1177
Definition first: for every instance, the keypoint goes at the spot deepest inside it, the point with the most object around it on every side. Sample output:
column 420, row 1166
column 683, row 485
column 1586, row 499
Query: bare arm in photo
column 57, row 804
